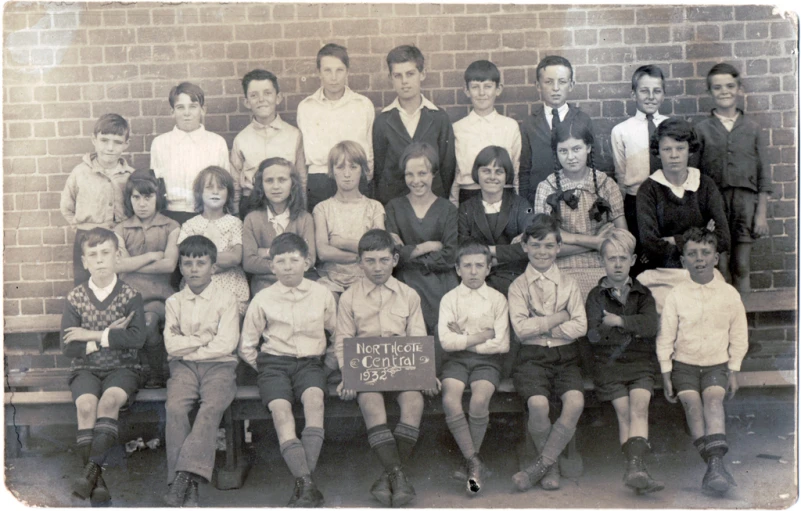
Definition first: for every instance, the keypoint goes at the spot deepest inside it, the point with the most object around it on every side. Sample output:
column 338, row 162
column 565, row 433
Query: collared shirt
column 702, row 325
column 474, row 133
column 562, row 110
column 367, row 310
column 290, row 320
column 492, row 208
column 727, row 122
column 325, row 123
column 101, row 293
column 690, row 184
column 207, row 325
column 619, row 294
column 411, row 120
column 631, row 149
column 178, row 157
column 535, row 295
column 93, row 196
column 474, row 310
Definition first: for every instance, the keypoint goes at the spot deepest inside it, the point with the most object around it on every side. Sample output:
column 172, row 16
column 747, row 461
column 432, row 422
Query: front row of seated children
column 703, row 337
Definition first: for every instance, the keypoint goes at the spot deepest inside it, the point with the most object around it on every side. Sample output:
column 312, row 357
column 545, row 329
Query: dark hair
column 112, row 124
column 97, row 236
column 542, row 225
column 288, row 242
column 333, row 50
column 146, row 183
column 677, row 129
column 420, row 150
column 191, row 90
column 473, row 247
column 375, row 240
column 406, row 53
column 554, row 60
column 198, row 246
column 349, row 151
column 648, row 70
column 482, row 71
column 722, row 69
column 223, row 178
column 698, row 235
column 500, row 156
column 258, row 200
column 258, row 74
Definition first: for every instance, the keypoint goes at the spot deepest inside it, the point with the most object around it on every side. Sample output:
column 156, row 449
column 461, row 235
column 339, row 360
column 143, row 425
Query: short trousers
column 541, row 371
column 467, row 367
column 616, row 380
column 740, row 207
column 96, row 382
column 698, row 378
column 288, row 377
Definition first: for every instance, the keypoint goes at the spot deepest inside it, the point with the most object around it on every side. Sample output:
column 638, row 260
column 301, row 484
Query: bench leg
column 571, row 463
column 233, row 474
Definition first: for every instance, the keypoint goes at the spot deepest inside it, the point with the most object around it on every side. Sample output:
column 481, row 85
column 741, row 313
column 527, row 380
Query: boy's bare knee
column 452, row 402
column 713, row 396
column 86, row 406
column 538, row 406
column 111, row 401
column 411, row 402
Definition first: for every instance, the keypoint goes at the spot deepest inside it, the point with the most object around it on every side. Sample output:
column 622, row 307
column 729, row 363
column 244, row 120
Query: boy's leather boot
column 86, row 482
column 381, row 490
column 402, row 490
column 176, row 495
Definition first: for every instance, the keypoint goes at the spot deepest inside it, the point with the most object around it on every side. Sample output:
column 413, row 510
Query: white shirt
column 101, row 293
column 631, row 149
column 178, row 157
column 690, row 184
column 474, row 310
column 492, row 208
column 562, row 110
column 411, row 120
column 727, row 122
column 325, row 123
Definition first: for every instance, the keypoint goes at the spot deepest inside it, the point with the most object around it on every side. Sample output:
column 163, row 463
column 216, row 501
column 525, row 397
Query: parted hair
column 541, row 225
column 222, row 177
column 191, row 90
column 349, row 151
column 647, row 70
column 97, row 236
column 420, row 150
column 722, row 69
column 554, row 60
column 375, row 240
column 112, row 124
column 258, row 199
column 145, row 182
column 406, row 53
column 621, row 239
column 333, row 50
column 259, row 74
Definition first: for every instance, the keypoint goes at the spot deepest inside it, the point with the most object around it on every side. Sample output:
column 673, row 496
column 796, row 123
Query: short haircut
column 698, row 235
column 351, row 151
column 194, row 92
column 554, row 60
column 112, row 124
column 473, row 247
column 542, row 225
column 376, row 240
column 258, row 74
column 406, row 53
column 677, row 129
column 258, row 199
column 98, row 236
column 647, row 70
column 621, row 239
column 420, row 150
column 223, row 178
column 198, row 246
column 496, row 154
column 722, row 69
column 286, row 243
column 333, row 50
column 145, row 182
column 482, row 71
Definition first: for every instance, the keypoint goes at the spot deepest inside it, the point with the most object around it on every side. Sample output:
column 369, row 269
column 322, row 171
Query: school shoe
column 295, row 492
column 550, row 481
column 381, row 490
column 192, row 494
column 86, row 482
column 309, row 496
column 715, row 478
column 475, row 475
column 176, row 495
column 635, row 476
column 402, row 490
column 101, row 497
column 531, row 475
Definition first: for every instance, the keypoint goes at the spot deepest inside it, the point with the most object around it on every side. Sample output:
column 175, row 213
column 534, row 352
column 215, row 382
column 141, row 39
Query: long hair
column 580, row 130
column 258, row 200
column 223, row 178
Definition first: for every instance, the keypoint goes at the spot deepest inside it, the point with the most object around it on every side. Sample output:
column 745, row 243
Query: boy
column 703, row 332
column 290, row 318
column 482, row 127
column 93, row 194
column 178, row 156
column 201, row 335
column 332, row 114
column 267, row 136
column 734, row 153
column 410, row 118
column 547, row 314
column 622, row 324
column 554, row 82
column 101, row 329
column 474, row 327
column 378, row 305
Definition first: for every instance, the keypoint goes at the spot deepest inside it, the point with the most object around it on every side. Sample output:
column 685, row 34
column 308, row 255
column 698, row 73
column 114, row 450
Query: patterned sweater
column 84, row 310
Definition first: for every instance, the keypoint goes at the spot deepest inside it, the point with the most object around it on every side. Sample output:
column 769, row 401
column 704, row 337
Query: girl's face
column 277, row 184
column 347, row 175
column 491, row 177
column 144, row 205
column 215, row 194
column 674, row 155
column 572, row 154
column 418, row 176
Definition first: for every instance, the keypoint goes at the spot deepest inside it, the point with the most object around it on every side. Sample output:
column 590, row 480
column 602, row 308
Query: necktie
column 656, row 163
column 555, row 122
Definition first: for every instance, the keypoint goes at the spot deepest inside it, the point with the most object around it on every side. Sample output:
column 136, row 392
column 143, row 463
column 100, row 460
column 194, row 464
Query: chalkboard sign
column 377, row 364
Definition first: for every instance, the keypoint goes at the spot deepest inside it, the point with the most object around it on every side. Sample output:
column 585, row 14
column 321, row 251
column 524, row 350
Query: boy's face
column 724, row 89
column 700, row 260
column 333, row 75
column 542, row 253
column 262, row 100
column 197, row 272
column 109, row 148
column 482, row 95
column 473, row 270
column 649, row 94
column 617, row 263
column 406, row 80
column 100, row 261
column 187, row 113
column 289, row 268
column 378, row 265
column 555, row 84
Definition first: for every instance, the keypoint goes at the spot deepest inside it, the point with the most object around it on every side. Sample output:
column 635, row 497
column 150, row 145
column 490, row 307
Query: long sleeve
column 525, row 327
column 594, row 307
column 178, row 345
column 237, row 162
column 159, row 157
column 330, row 315
column 576, row 326
column 307, row 229
column 499, row 343
column 514, row 252
column 449, row 340
column 463, row 223
column 738, row 336
column 444, row 260
column 252, row 329
column 716, row 210
column 68, row 195
column 251, row 262
column 415, row 323
column 645, row 322
column 380, row 146
column 668, row 329
column 447, row 158
column 619, row 157
column 300, row 164
column 525, row 162
column 133, row 336
column 764, row 184
column 514, row 152
column 346, row 326
column 224, row 341
column 71, row 318
column 370, row 119
column 650, row 236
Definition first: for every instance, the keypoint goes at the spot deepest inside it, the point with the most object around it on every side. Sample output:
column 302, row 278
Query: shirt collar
column 712, row 284
column 533, row 275
column 134, row 221
column 120, row 168
column 276, row 124
column 690, row 184
column 562, row 110
column 492, row 208
column 724, row 120
column 319, row 96
column 103, row 290
column 489, row 118
column 424, row 103
column 192, row 135
column 639, row 114
column 391, row 284
column 304, row 286
column 207, row 294
column 464, row 290
column 606, row 285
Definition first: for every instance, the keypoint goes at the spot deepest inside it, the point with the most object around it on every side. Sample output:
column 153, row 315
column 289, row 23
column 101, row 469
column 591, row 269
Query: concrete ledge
column 27, row 324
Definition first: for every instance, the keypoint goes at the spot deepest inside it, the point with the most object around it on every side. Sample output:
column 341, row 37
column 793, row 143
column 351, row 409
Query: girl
column 586, row 201
column 340, row 221
column 149, row 253
column 276, row 206
column 214, row 200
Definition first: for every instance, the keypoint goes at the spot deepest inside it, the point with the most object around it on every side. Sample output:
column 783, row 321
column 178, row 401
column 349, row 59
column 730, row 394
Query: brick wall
column 65, row 64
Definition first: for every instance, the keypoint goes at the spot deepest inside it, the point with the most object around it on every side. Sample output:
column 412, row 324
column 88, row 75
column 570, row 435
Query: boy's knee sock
column 312, row 440
column 383, row 443
column 700, row 446
column 478, row 428
column 84, row 443
column 461, row 433
column 105, row 437
column 295, row 457
column 538, row 436
column 716, row 445
column 557, row 441
column 406, row 436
